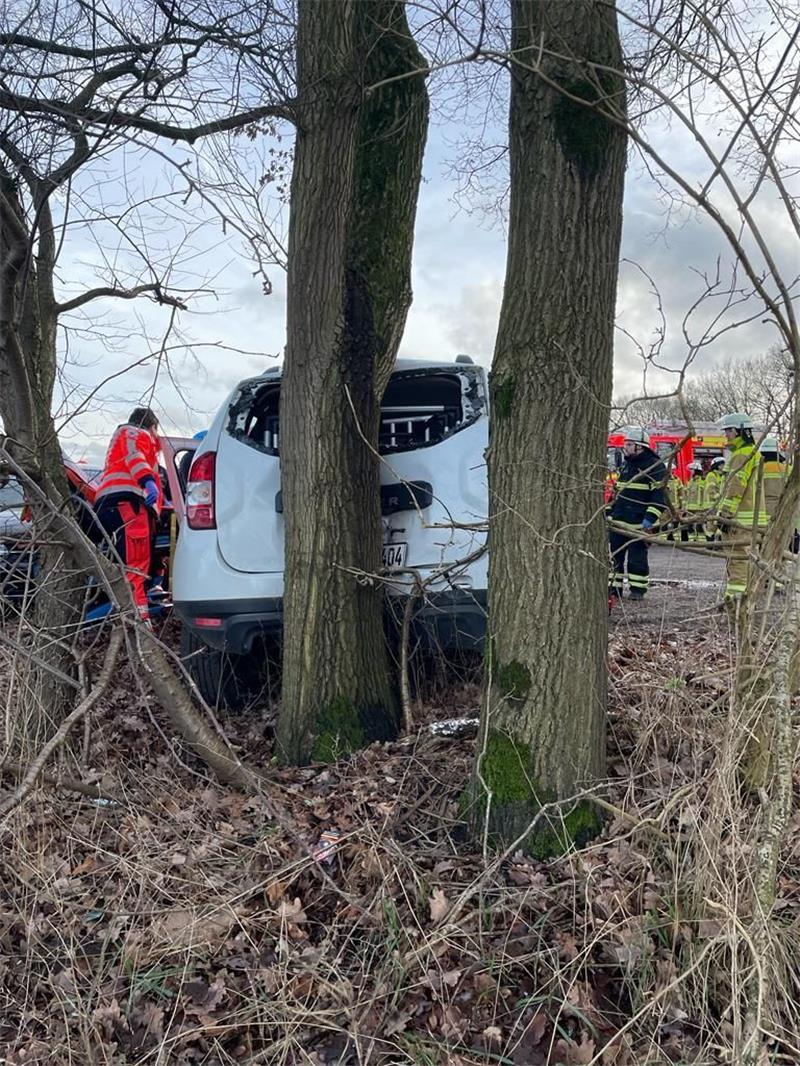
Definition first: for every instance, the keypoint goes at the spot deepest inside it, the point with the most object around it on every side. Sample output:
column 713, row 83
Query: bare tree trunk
column 28, row 324
column 354, row 192
column 543, row 726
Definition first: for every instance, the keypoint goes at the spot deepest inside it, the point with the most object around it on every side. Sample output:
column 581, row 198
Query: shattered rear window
column 420, row 408
column 253, row 416
column 424, row 407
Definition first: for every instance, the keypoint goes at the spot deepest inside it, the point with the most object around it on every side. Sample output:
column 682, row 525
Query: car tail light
column 200, row 493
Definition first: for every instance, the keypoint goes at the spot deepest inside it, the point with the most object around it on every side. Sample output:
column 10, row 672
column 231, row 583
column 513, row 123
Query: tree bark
column 357, row 168
column 543, row 729
column 28, row 326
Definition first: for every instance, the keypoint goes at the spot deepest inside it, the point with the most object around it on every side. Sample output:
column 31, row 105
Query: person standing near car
column 129, row 496
column 639, row 503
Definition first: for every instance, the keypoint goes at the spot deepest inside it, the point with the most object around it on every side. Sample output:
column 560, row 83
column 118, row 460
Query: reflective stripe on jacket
column 640, row 490
column 131, row 460
column 744, row 493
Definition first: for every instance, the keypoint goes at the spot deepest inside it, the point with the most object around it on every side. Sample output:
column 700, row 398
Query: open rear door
column 177, row 453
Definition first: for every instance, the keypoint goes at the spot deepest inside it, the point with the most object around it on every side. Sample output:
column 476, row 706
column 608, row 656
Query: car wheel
column 232, row 682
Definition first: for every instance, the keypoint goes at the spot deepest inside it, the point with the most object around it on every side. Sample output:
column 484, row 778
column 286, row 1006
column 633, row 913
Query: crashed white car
column 227, row 582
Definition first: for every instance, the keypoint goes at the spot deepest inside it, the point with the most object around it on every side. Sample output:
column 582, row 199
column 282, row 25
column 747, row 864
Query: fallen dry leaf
column 292, row 911
column 567, row 1051
column 192, row 925
column 439, row 905
column 397, row 1023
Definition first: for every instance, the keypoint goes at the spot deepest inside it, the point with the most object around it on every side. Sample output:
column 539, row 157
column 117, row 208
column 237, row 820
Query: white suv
column 228, row 573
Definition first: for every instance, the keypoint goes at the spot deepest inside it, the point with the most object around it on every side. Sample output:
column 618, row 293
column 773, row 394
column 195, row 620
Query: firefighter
column 129, row 495
column 639, row 503
column 675, row 494
column 774, row 474
column 715, row 479
column 695, row 499
column 741, row 508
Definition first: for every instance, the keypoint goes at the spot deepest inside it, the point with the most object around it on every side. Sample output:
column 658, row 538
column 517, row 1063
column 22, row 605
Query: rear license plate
column 394, row 556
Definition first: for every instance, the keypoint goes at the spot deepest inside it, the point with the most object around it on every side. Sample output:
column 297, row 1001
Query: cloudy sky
column 232, row 329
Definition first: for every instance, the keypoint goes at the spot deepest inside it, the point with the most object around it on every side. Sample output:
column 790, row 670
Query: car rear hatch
column 433, row 434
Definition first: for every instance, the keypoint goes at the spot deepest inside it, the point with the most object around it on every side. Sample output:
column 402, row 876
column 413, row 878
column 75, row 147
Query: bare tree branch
column 117, row 119
column 159, row 297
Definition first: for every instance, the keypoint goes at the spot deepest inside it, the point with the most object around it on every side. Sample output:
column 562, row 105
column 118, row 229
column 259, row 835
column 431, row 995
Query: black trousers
column 625, row 549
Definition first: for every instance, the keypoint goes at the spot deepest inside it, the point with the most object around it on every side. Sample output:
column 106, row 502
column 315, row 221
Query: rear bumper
column 453, row 620
column 240, row 622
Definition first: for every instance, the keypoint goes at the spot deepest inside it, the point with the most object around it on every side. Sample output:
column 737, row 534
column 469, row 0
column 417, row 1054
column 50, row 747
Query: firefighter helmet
column 736, row 420
column 718, row 460
column 635, row 435
column 695, row 465
column 768, row 444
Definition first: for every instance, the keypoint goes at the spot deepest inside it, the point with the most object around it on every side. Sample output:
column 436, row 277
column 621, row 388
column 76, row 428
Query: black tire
column 232, row 682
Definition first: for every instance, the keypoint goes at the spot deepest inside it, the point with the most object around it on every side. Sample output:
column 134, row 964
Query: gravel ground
column 684, row 588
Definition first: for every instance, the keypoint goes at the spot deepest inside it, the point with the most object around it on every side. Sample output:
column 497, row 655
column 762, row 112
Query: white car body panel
column 456, row 469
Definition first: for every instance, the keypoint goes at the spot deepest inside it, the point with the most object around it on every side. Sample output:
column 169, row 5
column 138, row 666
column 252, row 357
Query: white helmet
column 635, row 435
column 769, row 444
column 718, row 460
column 736, row 420
column 695, row 465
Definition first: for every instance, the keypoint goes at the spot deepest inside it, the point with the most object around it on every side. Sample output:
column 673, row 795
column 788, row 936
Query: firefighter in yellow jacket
column 675, row 491
column 742, row 510
column 695, row 500
column 715, row 480
column 775, row 474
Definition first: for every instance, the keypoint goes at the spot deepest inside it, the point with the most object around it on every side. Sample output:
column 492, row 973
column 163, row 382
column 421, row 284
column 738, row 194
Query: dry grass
column 184, row 926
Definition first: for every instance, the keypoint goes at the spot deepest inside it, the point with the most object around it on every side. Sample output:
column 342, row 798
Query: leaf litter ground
column 185, row 926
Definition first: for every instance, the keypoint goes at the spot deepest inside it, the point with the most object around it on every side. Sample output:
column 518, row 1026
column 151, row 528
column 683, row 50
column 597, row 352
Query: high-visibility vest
column 132, row 459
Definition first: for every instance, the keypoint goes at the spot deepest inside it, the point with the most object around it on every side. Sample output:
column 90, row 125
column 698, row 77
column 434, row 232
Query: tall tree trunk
column 28, row 327
column 357, row 168
column 543, row 734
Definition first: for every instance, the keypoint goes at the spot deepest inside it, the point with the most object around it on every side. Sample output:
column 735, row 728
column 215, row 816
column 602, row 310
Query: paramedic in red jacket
column 128, row 491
